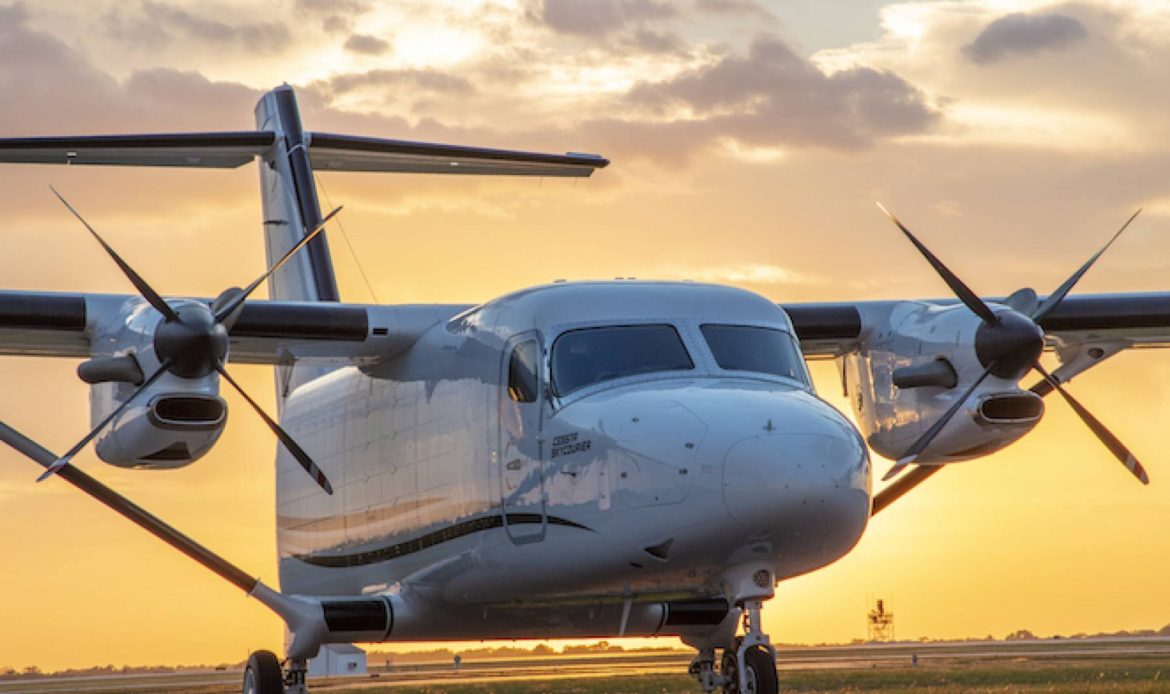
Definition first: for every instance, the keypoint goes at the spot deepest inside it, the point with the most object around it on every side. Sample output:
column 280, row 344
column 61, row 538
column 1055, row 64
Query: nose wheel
column 758, row 675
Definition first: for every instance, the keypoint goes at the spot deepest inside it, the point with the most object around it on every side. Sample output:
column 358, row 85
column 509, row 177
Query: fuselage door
column 521, row 444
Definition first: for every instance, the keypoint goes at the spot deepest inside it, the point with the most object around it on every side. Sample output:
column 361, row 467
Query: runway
column 546, row 668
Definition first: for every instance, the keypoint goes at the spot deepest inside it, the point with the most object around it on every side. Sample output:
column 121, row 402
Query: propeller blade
column 64, row 460
column 140, row 284
column 969, row 298
column 900, row 487
column 292, row 446
column 923, row 441
column 1114, row 444
column 238, row 300
column 1062, row 291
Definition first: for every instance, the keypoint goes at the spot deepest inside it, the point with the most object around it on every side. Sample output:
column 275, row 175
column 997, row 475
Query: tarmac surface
column 607, row 665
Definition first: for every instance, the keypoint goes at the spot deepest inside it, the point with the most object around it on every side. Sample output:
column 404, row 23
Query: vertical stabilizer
column 289, row 197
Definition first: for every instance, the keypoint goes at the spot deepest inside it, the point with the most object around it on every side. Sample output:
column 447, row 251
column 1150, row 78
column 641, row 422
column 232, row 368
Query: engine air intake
column 188, row 411
column 1019, row 408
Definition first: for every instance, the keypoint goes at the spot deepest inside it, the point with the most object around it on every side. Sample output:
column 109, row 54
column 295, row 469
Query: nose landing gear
column 748, row 665
column 750, row 662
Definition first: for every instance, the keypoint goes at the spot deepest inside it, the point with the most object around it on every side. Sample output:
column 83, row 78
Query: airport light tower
column 881, row 623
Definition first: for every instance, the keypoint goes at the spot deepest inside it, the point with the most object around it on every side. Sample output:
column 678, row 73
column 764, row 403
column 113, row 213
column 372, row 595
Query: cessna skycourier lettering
column 587, row 459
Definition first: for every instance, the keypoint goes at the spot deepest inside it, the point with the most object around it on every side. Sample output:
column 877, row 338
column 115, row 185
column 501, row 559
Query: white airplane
column 592, row 459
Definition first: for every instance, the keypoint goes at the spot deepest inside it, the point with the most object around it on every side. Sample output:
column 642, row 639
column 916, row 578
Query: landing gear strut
column 750, row 664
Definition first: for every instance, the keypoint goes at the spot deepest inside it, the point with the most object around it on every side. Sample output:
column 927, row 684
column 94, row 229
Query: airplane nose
column 803, row 474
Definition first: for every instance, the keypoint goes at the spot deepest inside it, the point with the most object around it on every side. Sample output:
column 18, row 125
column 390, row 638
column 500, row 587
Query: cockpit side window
column 591, row 355
column 750, row 348
column 522, row 372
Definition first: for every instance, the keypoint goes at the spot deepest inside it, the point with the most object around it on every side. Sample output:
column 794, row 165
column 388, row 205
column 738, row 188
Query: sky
column 749, row 140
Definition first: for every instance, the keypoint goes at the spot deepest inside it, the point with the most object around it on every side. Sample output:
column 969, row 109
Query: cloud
column 434, row 81
column 599, row 16
column 742, row 7
column 335, row 15
column 258, row 36
column 1024, row 34
column 366, row 44
column 773, row 96
column 649, row 41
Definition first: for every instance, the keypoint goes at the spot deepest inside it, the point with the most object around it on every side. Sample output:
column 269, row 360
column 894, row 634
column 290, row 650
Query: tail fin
column 288, row 194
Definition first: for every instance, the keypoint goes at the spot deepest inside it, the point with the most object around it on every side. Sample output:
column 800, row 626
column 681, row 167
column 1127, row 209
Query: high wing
column 828, row 330
column 279, row 332
column 267, row 332
column 327, row 152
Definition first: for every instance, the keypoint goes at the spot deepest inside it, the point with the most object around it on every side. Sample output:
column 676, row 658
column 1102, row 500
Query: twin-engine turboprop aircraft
column 592, row 459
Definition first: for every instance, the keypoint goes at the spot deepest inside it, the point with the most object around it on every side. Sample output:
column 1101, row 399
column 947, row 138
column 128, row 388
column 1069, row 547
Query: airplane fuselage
column 599, row 483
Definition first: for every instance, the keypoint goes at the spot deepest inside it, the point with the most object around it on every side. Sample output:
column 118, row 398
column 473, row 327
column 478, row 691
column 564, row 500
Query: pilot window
column 763, row 350
column 522, row 372
column 583, row 357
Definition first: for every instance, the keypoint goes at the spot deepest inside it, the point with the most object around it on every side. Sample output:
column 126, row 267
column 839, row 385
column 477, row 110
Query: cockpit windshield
column 749, row 348
column 591, row 355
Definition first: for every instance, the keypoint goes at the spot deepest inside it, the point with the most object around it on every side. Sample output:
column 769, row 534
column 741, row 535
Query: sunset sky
column 749, row 143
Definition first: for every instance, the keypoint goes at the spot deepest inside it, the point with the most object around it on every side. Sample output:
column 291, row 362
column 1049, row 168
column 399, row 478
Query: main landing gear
column 264, row 675
column 748, row 665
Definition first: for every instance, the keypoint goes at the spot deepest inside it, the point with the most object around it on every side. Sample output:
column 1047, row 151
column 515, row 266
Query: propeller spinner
column 192, row 342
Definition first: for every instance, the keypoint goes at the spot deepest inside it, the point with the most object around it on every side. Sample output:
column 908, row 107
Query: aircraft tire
column 761, row 671
column 262, row 674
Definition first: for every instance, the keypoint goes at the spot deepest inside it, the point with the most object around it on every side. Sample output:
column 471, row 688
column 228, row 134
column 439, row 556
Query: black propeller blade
column 64, row 460
column 969, row 298
column 236, row 300
column 1062, row 291
column 292, row 446
column 140, row 284
column 923, row 441
column 1114, row 444
column 192, row 342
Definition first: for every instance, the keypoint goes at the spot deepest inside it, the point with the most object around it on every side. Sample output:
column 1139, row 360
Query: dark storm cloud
column 598, row 17
column 772, row 96
column 1023, row 34
column 366, row 44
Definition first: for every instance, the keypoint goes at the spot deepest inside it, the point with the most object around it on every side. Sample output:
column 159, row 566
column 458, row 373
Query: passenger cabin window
column 522, row 372
column 762, row 350
column 583, row 357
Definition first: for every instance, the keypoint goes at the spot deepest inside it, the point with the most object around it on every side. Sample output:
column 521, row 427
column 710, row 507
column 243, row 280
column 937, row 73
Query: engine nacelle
column 170, row 430
column 908, row 373
column 171, row 424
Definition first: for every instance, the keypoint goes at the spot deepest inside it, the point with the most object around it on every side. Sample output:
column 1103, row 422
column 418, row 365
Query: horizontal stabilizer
column 329, row 152
column 226, row 150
